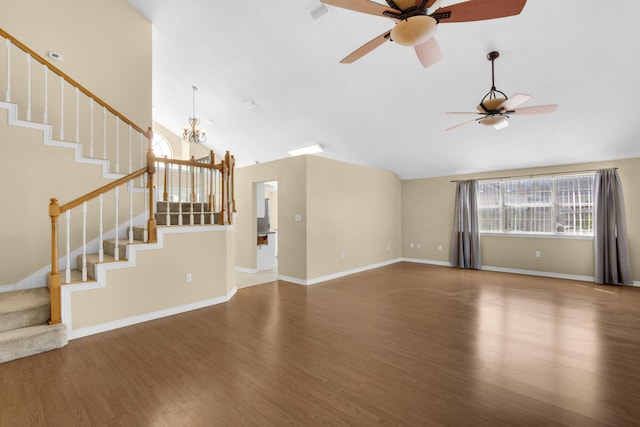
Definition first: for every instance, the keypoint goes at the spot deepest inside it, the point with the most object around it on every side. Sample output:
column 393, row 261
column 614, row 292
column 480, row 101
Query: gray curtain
column 465, row 240
column 611, row 247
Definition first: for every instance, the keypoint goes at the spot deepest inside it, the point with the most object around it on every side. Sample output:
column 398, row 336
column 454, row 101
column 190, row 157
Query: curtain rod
column 534, row 174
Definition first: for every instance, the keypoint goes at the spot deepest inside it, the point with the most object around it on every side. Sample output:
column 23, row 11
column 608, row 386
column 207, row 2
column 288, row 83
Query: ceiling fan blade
column 464, row 112
column 538, row 109
column 478, row 10
column 514, row 101
column 363, row 6
column 460, row 124
column 428, row 52
column 366, row 48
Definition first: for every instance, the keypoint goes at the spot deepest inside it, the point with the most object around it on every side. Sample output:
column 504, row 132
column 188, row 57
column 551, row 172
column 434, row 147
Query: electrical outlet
column 410, row 245
column 537, row 254
column 188, row 278
column 388, row 247
column 342, row 254
column 439, row 247
column 418, row 245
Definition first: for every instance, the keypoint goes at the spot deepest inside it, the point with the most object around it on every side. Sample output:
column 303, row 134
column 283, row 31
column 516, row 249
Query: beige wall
column 292, row 199
column 33, row 173
column 353, row 216
column 345, row 208
column 427, row 213
column 158, row 280
column 105, row 45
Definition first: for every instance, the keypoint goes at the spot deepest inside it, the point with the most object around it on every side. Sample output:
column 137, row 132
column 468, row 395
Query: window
column 548, row 205
column 160, row 146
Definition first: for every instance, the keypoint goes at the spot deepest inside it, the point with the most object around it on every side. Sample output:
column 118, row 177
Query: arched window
column 160, row 146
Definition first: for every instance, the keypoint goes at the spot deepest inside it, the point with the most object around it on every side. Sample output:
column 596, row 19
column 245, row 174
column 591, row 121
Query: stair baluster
column 91, row 105
column 61, row 108
column 8, row 92
column 28, row 87
column 101, row 231
column 116, row 251
column 45, row 117
column 68, row 254
column 77, row 116
column 84, row 241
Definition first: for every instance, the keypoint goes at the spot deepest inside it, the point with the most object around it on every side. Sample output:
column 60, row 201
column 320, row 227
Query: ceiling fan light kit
column 495, row 109
column 415, row 25
column 414, row 30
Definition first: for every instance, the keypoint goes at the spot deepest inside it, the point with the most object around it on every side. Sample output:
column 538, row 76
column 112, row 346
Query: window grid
column 548, row 205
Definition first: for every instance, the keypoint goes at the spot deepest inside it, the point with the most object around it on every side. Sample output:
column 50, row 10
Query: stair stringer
column 47, row 136
column 102, row 282
column 37, row 279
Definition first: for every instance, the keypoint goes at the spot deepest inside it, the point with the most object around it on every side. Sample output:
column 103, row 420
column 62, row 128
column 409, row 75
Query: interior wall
column 292, row 198
column 353, row 216
column 427, row 217
column 105, row 46
column 33, row 173
column 158, row 282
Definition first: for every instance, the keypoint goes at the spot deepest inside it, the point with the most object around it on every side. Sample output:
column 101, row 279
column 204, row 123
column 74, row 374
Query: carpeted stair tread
column 19, row 309
column 23, row 342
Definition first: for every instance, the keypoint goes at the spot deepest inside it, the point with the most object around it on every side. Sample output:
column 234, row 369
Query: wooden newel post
column 54, row 281
column 151, row 170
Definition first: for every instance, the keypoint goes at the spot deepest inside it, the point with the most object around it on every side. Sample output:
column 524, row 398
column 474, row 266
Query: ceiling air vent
column 318, row 11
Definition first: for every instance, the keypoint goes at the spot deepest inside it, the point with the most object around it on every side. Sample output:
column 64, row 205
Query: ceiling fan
column 494, row 110
column 415, row 25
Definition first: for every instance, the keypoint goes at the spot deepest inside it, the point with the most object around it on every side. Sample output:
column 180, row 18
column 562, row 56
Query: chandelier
column 192, row 131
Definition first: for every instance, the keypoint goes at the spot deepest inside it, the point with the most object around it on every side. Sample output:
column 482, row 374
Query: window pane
column 574, row 205
column 561, row 205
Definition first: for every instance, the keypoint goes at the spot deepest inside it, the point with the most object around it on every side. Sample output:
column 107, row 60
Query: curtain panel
column 611, row 247
column 465, row 239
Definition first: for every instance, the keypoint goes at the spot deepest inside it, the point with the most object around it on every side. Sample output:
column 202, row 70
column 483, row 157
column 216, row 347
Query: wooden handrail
column 187, row 163
column 74, row 83
column 95, row 193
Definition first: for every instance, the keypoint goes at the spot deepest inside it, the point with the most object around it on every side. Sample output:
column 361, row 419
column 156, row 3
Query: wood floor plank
column 403, row 345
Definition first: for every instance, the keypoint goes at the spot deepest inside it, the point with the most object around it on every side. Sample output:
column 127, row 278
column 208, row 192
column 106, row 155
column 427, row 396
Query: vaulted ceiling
column 385, row 110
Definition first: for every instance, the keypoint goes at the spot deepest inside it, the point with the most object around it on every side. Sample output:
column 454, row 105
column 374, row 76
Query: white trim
column 339, row 274
column 246, row 270
column 101, row 269
column 537, row 235
column 7, row 288
column 427, row 261
column 47, row 136
column 121, row 323
column 538, row 273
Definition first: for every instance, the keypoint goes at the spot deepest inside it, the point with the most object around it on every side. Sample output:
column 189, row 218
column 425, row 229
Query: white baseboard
column 246, row 270
column 337, row 275
column 427, row 261
column 121, row 323
column 539, row 273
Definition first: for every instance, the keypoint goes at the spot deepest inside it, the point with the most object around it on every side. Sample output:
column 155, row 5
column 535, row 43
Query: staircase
column 24, row 328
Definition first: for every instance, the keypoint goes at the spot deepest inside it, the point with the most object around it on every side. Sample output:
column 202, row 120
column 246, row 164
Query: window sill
column 539, row 236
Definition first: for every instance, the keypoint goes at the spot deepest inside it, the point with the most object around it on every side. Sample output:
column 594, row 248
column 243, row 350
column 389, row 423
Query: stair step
column 161, row 207
column 23, row 342
column 20, row 309
column 109, row 247
column 92, row 260
column 161, row 218
column 139, row 233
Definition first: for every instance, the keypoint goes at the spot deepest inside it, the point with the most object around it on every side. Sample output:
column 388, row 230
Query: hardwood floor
column 406, row 344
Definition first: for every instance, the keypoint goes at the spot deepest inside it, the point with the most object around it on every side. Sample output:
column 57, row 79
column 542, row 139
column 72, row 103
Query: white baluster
column 84, row 241
column 8, row 93
column 61, row 109
column 130, row 184
column 46, row 95
column 28, row 87
column 212, row 196
column 167, row 170
column 147, row 214
column 77, row 115
column 179, row 194
column 130, row 151
column 104, row 136
column 68, row 269
column 116, row 251
column 192, row 191
column 117, row 144
column 201, row 197
column 100, row 238
column 91, row 125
